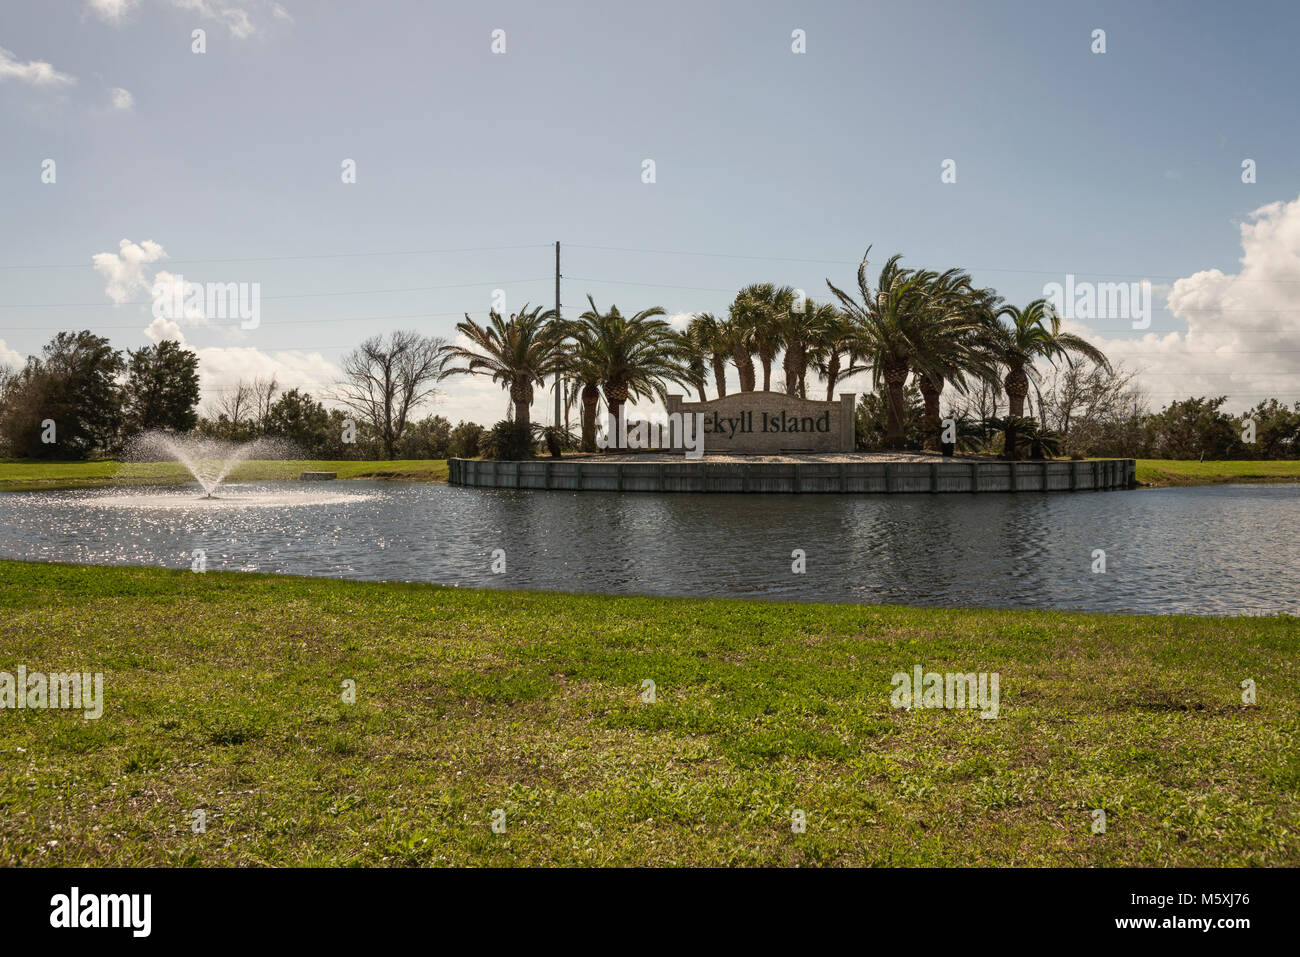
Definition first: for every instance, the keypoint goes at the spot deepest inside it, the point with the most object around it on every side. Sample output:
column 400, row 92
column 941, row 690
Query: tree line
column 1017, row 384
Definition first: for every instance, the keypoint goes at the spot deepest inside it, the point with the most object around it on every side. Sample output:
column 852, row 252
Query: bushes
column 509, row 440
column 465, row 441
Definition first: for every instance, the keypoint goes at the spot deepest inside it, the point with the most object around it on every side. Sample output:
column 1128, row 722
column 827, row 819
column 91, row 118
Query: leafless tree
column 236, row 404
column 385, row 379
column 1091, row 398
column 263, row 392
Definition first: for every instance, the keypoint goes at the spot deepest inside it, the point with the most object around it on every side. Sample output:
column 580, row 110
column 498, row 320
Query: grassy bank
column 1163, row 472
column 28, row 475
column 223, row 693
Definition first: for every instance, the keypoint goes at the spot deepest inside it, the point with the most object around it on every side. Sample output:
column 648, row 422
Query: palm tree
column 762, row 310
column 713, row 340
column 636, row 354
column 802, row 334
column 884, row 325
column 950, row 339
column 584, row 370
column 518, row 353
column 741, row 342
column 691, row 353
column 835, row 338
column 1033, row 333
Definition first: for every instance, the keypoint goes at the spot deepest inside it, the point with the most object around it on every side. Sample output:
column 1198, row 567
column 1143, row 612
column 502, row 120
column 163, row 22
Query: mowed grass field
column 30, row 475
column 1171, row 472
column 223, row 693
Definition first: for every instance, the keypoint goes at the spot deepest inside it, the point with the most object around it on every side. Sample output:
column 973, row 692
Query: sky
column 996, row 137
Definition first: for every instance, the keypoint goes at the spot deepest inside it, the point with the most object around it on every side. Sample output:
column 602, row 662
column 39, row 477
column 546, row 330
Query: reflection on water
column 1212, row 550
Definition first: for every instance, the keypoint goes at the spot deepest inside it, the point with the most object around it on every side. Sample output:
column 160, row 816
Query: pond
column 1229, row 550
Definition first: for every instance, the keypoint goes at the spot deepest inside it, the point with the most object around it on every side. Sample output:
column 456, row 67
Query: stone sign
column 772, row 422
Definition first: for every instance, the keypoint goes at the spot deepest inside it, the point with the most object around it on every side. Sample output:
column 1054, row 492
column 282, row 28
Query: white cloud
column 1242, row 330
column 122, row 99
column 112, row 11
column 161, row 329
column 10, row 357
column 680, row 320
column 222, row 367
column 33, row 72
column 237, row 19
column 238, row 22
column 124, row 269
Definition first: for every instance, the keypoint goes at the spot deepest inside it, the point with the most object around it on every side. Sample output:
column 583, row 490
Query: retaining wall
column 628, row 475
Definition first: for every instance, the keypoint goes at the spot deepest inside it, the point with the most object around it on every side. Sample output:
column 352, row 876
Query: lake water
column 1230, row 550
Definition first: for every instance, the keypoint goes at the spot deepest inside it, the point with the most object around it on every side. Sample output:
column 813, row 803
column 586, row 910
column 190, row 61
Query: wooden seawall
column 628, row 475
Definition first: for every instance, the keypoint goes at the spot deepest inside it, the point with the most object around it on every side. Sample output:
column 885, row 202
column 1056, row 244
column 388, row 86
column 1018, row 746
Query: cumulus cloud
column 222, row 367
column 33, row 72
column 236, row 18
column 1242, row 329
column 112, row 11
column 10, row 357
column 679, row 320
column 162, row 328
column 125, row 269
column 120, row 98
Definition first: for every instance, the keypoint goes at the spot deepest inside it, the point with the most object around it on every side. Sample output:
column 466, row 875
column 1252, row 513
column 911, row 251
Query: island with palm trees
column 911, row 329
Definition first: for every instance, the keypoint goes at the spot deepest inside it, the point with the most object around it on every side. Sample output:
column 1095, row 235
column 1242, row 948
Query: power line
column 301, row 295
column 648, row 285
column 267, row 259
column 856, row 262
column 278, row 322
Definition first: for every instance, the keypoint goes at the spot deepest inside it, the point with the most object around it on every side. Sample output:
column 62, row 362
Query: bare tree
column 263, row 396
column 236, row 404
column 1089, row 403
column 384, row 380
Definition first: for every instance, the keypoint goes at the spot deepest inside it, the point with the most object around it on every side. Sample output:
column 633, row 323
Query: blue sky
column 1120, row 165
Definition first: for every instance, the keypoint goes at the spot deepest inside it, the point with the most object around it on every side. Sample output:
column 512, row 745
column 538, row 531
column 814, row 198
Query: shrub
column 465, row 441
column 508, row 440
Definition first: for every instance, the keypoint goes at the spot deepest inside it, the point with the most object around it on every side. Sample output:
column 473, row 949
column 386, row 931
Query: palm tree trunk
column 522, row 397
column 896, row 372
column 720, row 373
column 832, row 373
column 1017, row 385
column 933, row 425
column 590, row 399
column 745, row 367
column 615, row 397
column 796, row 369
column 766, row 359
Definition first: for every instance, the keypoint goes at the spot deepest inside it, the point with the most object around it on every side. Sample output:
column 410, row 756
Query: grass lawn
column 1173, row 472
column 27, row 474
column 223, row 693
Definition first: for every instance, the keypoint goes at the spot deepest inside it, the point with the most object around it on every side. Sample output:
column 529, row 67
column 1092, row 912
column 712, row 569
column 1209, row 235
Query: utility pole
column 559, row 381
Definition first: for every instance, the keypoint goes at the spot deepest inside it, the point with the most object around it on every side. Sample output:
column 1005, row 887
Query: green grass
column 29, row 475
column 223, row 693
column 1174, row 472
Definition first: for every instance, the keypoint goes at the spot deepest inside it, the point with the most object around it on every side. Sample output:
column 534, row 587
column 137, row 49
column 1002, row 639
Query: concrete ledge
column 317, row 476
column 593, row 475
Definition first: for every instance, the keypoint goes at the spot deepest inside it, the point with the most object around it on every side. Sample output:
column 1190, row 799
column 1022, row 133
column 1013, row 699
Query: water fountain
column 208, row 460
